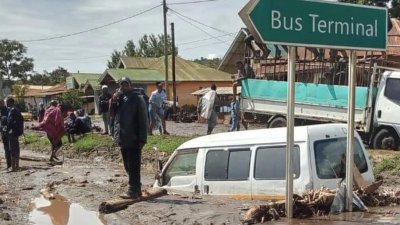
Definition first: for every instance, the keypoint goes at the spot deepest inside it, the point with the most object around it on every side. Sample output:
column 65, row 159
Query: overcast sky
column 89, row 52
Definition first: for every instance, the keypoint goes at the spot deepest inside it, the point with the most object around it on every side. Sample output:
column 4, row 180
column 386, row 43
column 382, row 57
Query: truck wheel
column 277, row 122
column 385, row 139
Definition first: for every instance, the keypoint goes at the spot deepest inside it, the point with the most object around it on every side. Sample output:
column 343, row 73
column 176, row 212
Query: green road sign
column 319, row 24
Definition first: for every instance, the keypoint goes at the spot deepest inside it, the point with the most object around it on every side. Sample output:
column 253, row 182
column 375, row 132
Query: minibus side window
column 216, row 165
column 270, row 163
column 329, row 155
column 183, row 164
column 227, row 165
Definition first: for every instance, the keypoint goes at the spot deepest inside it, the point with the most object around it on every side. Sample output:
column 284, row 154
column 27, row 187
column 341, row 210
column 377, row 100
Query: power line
column 205, row 39
column 192, row 2
column 205, row 45
column 74, row 59
column 199, row 22
column 199, row 28
column 92, row 29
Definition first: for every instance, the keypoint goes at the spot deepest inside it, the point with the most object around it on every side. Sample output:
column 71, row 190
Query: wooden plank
column 115, row 205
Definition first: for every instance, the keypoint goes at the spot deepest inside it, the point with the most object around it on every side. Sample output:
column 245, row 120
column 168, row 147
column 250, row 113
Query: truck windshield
column 392, row 90
column 330, row 158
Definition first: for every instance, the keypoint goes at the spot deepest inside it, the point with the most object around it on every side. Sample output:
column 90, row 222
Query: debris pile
column 318, row 203
column 381, row 198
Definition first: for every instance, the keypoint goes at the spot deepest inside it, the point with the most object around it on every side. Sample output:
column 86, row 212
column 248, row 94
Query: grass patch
column 89, row 142
column 33, row 138
column 390, row 165
column 165, row 143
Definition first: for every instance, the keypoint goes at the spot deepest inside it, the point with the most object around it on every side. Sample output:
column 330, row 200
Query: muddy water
column 354, row 218
column 60, row 211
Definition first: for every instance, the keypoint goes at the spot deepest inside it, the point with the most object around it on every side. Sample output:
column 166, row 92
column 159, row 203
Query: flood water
column 353, row 218
column 60, row 211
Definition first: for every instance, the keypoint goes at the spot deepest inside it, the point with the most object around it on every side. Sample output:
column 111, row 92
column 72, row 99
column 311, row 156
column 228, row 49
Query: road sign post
column 319, row 24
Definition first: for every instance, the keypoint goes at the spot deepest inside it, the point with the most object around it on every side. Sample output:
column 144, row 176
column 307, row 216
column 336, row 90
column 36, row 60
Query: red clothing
column 53, row 124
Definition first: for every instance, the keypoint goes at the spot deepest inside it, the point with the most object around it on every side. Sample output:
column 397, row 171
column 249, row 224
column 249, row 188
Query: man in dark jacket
column 104, row 107
column 130, row 132
column 15, row 128
column 4, row 114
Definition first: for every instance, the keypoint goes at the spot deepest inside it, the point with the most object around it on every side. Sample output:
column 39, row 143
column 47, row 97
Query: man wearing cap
column 104, row 107
column 130, row 132
column 156, row 111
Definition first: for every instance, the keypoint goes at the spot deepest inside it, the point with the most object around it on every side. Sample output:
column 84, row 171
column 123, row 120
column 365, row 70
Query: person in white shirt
column 156, row 108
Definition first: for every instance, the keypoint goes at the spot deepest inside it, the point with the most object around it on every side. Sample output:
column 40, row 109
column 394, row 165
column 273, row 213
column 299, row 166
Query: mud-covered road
column 82, row 184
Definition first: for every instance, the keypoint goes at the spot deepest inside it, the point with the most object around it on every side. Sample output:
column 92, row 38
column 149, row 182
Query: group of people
column 155, row 105
column 210, row 101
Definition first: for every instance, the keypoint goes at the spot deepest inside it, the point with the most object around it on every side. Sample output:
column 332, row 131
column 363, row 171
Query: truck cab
column 251, row 164
column 386, row 121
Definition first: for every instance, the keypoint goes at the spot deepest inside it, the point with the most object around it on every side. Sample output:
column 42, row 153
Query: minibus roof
column 254, row 137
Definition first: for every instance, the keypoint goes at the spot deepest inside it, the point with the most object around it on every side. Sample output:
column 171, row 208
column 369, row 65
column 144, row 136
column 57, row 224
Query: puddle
column 61, row 212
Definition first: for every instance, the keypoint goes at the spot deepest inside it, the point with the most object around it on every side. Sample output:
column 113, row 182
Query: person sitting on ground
column 85, row 119
column 74, row 126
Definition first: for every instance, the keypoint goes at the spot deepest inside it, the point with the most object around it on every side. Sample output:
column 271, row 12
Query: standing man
column 236, row 116
column 4, row 138
column 244, row 71
column 15, row 128
column 156, row 110
column 130, row 132
column 53, row 125
column 207, row 106
column 104, row 100
column 41, row 112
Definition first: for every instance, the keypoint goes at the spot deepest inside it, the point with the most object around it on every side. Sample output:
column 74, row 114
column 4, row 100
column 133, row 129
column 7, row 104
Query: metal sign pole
column 350, row 132
column 290, row 131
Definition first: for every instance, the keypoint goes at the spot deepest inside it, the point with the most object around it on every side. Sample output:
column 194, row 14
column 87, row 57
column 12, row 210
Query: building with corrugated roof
column 145, row 72
column 89, row 87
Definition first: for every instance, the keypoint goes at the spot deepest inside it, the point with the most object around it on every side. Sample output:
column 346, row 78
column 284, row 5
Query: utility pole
column 165, row 10
column 173, row 67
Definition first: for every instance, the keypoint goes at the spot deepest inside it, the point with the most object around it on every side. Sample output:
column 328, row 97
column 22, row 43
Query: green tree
column 395, row 10
column 148, row 46
column 212, row 63
column 115, row 56
column 38, row 79
column 13, row 62
column 70, row 100
column 130, row 49
column 19, row 91
column 58, row 76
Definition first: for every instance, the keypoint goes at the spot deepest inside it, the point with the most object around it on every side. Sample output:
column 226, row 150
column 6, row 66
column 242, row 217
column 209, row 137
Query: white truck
column 377, row 115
